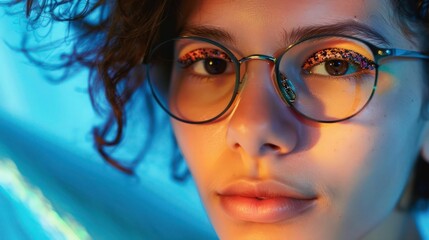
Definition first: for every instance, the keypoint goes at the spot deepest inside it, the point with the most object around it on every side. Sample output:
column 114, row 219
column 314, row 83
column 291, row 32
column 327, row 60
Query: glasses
column 323, row 78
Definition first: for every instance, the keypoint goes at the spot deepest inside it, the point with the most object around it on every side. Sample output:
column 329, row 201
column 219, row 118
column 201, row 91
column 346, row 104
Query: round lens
column 193, row 79
column 327, row 79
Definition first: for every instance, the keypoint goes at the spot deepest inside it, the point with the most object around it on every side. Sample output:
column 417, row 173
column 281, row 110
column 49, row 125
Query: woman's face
column 265, row 173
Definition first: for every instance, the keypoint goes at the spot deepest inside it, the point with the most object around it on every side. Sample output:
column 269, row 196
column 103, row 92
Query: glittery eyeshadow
column 339, row 53
column 200, row 54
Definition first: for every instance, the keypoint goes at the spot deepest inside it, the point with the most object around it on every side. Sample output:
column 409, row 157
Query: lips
column 264, row 201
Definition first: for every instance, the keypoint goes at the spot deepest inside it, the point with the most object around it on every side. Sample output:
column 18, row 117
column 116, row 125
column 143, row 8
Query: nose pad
column 287, row 89
column 261, row 123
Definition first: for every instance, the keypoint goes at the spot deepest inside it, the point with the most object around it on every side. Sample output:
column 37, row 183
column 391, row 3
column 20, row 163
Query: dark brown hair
column 115, row 36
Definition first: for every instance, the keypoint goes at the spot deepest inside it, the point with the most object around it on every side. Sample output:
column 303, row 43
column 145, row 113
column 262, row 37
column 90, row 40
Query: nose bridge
column 258, row 74
column 260, row 122
column 260, row 57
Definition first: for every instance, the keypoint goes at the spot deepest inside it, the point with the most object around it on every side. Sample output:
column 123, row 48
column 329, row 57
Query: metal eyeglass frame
column 286, row 89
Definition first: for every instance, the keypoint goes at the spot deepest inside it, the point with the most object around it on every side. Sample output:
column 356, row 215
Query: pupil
column 215, row 65
column 336, row 67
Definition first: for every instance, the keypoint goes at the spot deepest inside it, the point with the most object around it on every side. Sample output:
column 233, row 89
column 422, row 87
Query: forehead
column 292, row 11
column 255, row 21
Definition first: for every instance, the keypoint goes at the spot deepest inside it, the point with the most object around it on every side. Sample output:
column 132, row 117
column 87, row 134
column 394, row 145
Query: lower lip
column 265, row 211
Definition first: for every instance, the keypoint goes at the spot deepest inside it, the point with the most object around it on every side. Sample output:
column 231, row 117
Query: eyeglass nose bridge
column 258, row 57
column 287, row 88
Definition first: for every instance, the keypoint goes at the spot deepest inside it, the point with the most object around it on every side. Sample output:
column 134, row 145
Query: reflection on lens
column 334, row 77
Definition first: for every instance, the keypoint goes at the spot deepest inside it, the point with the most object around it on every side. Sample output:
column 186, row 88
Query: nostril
column 269, row 147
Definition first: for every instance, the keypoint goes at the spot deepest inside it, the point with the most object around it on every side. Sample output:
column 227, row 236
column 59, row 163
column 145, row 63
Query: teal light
column 31, row 204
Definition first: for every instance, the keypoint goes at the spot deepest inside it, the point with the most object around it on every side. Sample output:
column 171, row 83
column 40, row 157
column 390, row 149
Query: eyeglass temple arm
column 401, row 53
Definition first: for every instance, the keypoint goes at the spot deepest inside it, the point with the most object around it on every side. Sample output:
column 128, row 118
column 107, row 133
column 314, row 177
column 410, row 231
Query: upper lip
column 265, row 189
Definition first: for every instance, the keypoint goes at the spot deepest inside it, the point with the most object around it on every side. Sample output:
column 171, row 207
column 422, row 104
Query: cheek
column 365, row 159
column 202, row 146
column 373, row 153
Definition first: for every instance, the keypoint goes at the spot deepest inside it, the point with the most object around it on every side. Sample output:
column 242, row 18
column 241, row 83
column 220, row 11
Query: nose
column 261, row 123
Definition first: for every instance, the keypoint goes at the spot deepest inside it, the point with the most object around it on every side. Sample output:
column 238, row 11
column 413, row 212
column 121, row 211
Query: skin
column 357, row 169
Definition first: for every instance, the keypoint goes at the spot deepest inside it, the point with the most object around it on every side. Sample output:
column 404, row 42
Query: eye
column 207, row 62
column 337, row 62
column 212, row 66
column 335, row 67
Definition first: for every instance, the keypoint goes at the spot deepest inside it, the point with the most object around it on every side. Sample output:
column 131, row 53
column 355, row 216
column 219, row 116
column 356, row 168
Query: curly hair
column 115, row 36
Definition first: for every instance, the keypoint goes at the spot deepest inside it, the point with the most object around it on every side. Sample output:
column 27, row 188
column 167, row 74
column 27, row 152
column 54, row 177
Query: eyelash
column 340, row 54
column 201, row 54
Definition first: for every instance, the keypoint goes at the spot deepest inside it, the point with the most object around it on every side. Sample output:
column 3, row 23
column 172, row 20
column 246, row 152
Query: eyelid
column 201, row 54
column 341, row 54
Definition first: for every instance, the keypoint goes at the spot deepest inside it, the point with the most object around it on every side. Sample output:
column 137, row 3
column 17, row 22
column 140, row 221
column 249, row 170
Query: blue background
column 54, row 185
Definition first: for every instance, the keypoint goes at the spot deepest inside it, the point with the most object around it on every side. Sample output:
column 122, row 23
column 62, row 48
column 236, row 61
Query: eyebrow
column 213, row 33
column 348, row 28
